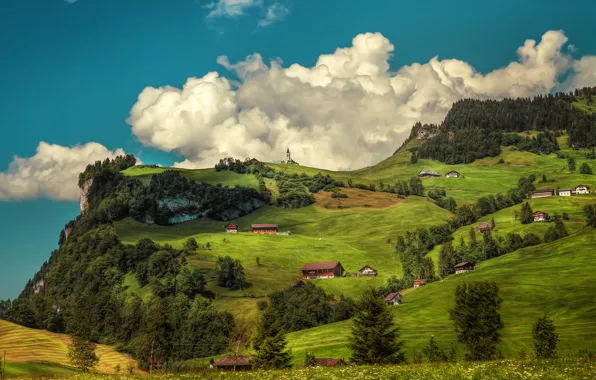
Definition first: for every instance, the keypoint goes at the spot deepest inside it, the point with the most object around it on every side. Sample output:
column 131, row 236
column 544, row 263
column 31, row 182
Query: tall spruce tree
column 545, row 337
column 477, row 320
column 270, row 343
column 590, row 212
column 447, row 260
column 432, row 351
column 81, row 353
column 374, row 337
column 556, row 231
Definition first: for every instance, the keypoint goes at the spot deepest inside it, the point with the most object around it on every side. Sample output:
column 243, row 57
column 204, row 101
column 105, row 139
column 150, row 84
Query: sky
column 186, row 82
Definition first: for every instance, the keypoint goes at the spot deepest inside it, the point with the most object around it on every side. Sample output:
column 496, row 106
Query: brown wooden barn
column 322, row 270
column 233, row 363
column 264, row 229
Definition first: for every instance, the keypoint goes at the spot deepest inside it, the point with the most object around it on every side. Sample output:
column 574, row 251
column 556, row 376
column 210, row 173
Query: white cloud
column 275, row 12
column 230, row 8
column 52, row 172
column 347, row 111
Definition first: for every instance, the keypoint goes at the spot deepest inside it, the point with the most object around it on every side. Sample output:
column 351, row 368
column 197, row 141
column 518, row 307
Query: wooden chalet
column 463, row 267
column 367, row 270
column 582, row 189
column 233, row 363
column 482, row 227
column 540, row 216
column 565, row 192
column 264, row 229
column 322, row 270
column 298, row 284
column 544, row 193
column 428, row 174
column 393, row 299
column 452, row 174
column 420, row 282
column 231, row 228
column 328, row 362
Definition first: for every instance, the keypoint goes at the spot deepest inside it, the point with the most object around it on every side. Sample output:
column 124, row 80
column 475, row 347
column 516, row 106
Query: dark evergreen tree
column 585, row 169
column 545, row 338
column 191, row 244
column 269, row 343
column 556, row 231
column 433, row 353
column 590, row 212
column 374, row 337
column 571, row 164
column 309, row 359
column 81, row 353
column 447, row 260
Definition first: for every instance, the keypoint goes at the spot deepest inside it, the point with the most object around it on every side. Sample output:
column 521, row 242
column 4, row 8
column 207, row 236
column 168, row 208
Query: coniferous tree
column 585, row 169
column 309, row 359
column 374, row 337
column 493, row 224
column 477, row 320
column 590, row 212
column 473, row 241
column 191, row 244
column 270, row 343
column 571, row 164
column 433, row 353
column 556, row 231
column 447, row 260
column 545, row 338
column 81, row 353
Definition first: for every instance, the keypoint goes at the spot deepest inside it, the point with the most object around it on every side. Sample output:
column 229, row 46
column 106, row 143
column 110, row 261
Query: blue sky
column 71, row 72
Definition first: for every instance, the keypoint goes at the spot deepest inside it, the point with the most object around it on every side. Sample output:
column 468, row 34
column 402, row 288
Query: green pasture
column 210, row 176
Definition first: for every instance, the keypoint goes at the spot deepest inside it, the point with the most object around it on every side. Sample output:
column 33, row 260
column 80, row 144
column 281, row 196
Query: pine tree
column 374, row 337
column 81, row 353
column 492, row 222
column 590, row 212
column 545, row 338
column 473, row 242
column 556, row 231
column 571, row 164
column 270, row 343
column 447, row 258
column 585, row 169
column 432, row 351
column 309, row 359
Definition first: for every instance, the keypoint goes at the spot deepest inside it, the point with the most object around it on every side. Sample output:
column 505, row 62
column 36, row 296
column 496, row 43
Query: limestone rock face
column 84, row 197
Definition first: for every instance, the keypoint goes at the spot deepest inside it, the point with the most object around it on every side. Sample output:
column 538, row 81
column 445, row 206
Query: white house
column 565, row 192
column 394, row 299
column 582, row 189
column 452, row 174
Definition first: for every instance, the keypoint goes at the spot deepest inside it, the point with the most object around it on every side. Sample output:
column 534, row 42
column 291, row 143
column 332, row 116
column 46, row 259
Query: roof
column 431, row 172
column 328, row 362
column 264, row 226
column 390, row 296
column 463, row 264
column 366, row 266
column 453, row 171
column 318, row 266
column 539, row 212
column 231, row 361
column 420, row 280
column 582, row 186
column 485, row 225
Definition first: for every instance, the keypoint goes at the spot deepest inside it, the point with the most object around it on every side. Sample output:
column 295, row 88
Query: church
column 289, row 159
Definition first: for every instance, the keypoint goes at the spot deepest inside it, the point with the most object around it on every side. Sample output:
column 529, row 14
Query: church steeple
column 288, row 157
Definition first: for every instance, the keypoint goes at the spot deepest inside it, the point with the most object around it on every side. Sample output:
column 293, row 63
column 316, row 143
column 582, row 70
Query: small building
column 540, row 216
column 544, row 193
column 463, row 267
column 420, row 282
column 322, row 270
column 264, row 229
column 298, row 284
column 328, row 362
column 393, row 299
column 565, row 192
column 232, row 228
column 367, row 270
column 233, row 363
column 428, row 174
column 582, row 189
column 156, row 362
column 452, row 174
column 482, row 227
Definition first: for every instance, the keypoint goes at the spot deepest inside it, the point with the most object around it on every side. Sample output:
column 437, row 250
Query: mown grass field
column 32, row 352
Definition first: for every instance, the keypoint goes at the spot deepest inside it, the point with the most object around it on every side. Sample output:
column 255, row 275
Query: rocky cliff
column 84, row 194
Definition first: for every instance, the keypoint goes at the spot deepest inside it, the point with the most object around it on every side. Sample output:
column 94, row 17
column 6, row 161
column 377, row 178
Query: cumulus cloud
column 347, row 111
column 52, row 172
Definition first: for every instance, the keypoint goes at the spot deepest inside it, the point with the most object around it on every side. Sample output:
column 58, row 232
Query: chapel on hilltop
column 289, row 159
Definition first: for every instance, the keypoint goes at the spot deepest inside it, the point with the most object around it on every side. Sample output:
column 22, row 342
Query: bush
column 501, row 161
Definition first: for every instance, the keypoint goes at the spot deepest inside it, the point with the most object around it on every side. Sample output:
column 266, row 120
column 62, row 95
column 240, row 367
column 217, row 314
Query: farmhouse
column 322, row 270
column 367, row 270
column 582, row 189
column 543, row 193
column 233, row 363
column 328, row 362
column 264, row 229
column 484, row 227
column 231, row 228
column 452, row 174
column 418, row 283
column 565, row 192
column 393, row 299
column 463, row 267
column 428, row 174
column 540, row 216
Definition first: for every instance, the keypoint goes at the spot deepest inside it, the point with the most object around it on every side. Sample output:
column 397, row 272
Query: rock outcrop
column 84, row 194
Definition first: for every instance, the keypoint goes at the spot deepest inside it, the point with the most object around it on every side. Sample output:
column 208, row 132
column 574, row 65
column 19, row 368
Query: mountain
column 144, row 262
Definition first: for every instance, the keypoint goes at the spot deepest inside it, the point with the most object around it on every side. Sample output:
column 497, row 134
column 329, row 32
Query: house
column 428, row 174
column 582, row 189
column 231, row 228
column 322, row 270
column 264, row 229
column 540, row 216
column 233, row 363
column 418, row 283
column 393, row 299
column 463, row 267
column 328, row 362
column 482, row 227
column 543, row 193
column 367, row 270
column 565, row 192
column 452, row 174
column 298, row 284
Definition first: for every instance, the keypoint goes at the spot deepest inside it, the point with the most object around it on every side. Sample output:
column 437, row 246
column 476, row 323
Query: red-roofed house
column 232, row 228
column 540, row 216
column 322, row 270
column 264, row 229
column 484, row 227
column 233, row 363
column 327, row 362
column 418, row 283
column 463, row 267
column 393, row 299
